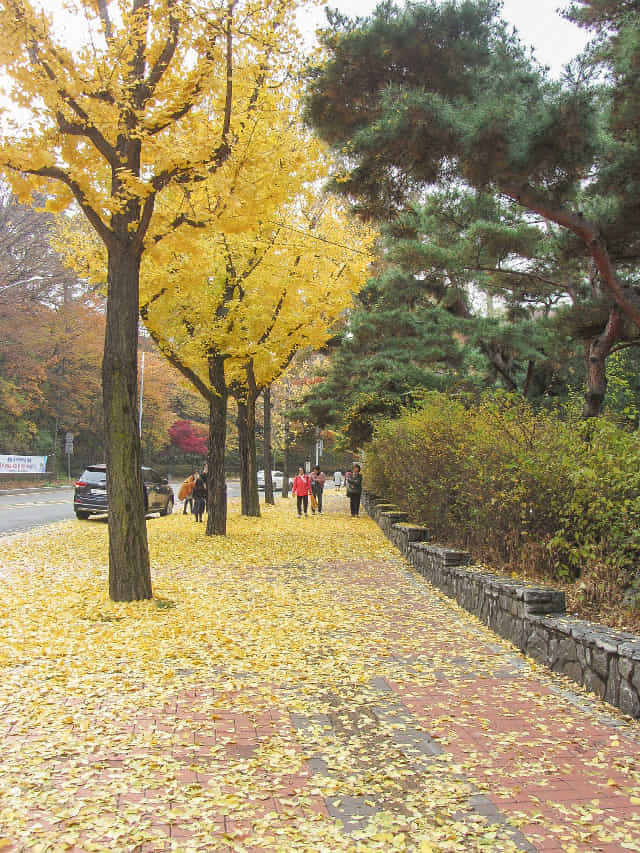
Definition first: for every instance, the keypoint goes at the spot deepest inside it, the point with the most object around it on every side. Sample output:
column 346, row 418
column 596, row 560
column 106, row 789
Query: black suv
column 90, row 495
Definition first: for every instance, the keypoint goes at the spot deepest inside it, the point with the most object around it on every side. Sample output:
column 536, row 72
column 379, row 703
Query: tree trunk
column 287, row 442
column 268, row 456
column 254, row 498
column 243, row 454
column 217, row 483
column 528, row 378
column 595, row 357
column 502, row 363
column 249, row 501
column 129, row 572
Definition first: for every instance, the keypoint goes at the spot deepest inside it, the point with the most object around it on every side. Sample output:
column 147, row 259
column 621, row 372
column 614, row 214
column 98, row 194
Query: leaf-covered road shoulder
column 292, row 686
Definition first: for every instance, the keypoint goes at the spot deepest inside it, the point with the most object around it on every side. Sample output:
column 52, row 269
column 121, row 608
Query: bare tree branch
column 103, row 231
column 103, row 11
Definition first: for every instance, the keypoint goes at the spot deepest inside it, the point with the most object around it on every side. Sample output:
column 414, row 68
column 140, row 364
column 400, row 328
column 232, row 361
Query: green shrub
column 516, row 486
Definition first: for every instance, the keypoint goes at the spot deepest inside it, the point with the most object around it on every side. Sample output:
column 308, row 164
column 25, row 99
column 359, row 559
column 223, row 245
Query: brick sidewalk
column 395, row 721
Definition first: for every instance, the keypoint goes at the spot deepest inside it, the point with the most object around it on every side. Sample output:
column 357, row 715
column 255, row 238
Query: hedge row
column 515, row 486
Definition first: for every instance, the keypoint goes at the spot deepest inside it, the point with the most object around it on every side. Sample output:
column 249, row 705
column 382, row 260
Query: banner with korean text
column 23, row 464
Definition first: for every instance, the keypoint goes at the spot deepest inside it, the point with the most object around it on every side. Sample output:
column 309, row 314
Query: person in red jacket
column 302, row 489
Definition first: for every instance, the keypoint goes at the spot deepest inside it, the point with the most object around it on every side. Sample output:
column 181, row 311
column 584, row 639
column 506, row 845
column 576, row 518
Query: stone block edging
column 533, row 618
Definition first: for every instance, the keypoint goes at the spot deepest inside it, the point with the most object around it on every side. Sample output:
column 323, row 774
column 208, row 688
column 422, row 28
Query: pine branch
column 589, row 234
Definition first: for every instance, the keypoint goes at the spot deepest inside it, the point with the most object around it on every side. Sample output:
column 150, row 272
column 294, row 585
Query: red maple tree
column 189, row 437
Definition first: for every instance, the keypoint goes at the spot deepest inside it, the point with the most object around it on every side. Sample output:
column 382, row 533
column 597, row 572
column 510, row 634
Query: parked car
column 276, row 479
column 90, row 493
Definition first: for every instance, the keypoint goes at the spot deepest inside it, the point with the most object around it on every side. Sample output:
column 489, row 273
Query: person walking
column 354, row 490
column 185, row 493
column 301, row 489
column 199, row 498
column 337, row 479
column 204, row 474
column 318, row 479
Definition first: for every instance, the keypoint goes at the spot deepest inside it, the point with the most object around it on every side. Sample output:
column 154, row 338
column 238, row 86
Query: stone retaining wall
column 533, row 618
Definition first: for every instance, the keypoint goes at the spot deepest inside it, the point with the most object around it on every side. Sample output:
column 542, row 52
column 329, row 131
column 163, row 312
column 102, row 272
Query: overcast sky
column 555, row 40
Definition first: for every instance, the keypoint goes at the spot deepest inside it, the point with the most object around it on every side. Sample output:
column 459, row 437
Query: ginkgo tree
column 233, row 324
column 121, row 104
column 300, row 318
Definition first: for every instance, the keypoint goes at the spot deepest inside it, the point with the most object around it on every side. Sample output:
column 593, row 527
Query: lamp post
column 141, row 393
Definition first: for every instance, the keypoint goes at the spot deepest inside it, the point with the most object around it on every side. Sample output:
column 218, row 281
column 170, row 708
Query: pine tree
column 436, row 94
column 423, row 323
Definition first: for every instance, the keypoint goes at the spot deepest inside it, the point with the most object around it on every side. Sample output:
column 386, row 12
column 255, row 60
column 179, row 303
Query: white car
column 276, row 479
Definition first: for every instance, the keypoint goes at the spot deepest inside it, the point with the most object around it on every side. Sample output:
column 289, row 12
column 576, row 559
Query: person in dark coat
column 354, row 490
column 205, row 476
column 199, row 498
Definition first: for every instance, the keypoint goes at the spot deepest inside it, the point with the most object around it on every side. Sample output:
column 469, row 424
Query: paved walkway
column 378, row 716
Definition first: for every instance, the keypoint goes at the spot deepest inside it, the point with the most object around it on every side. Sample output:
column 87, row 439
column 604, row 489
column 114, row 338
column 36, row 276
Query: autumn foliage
column 154, row 119
column 189, row 437
column 520, row 488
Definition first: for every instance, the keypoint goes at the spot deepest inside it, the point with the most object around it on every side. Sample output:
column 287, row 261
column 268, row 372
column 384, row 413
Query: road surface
column 24, row 509
column 27, row 508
